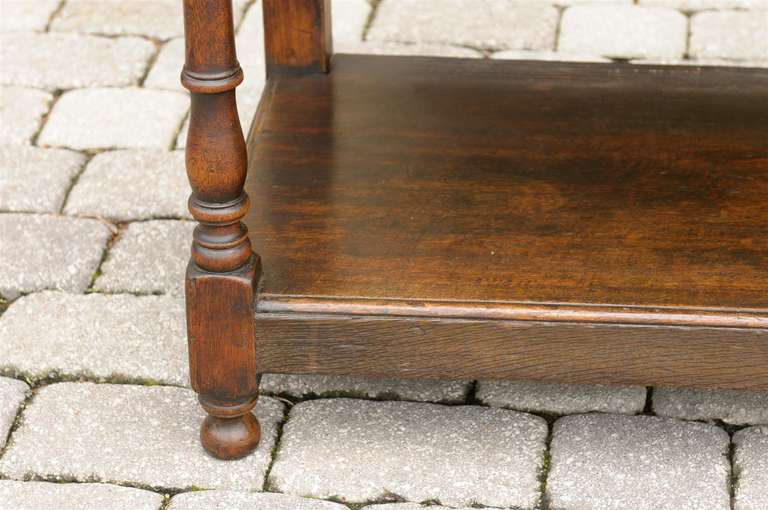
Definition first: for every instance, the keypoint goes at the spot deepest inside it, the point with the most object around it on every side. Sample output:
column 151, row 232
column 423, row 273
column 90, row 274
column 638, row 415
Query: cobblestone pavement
column 94, row 237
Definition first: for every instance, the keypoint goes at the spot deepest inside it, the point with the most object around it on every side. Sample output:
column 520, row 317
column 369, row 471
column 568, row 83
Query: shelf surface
column 534, row 190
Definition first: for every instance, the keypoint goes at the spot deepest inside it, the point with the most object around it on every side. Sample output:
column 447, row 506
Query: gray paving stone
column 250, row 53
column 49, row 252
column 148, row 258
column 573, row 2
column 230, row 500
column 616, row 462
column 12, row 394
column 432, row 50
column 360, row 451
column 104, row 336
column 21, row 110
column 160, row 19
column 562, row 398
column 406, row 506
column 250, row 38
column 109, row 118
column 551, row 56
column 751, row 468
column 730, row 35
column 697, row 5
column 65, row 61
column 132, row 185
column 75, row 496
column 26, row 15
column 34, row 179
column 421, row 390
column 166, row 71
column 349, row 18
column 731, row 406
column 623, row 31
column 702, row 62
column 497, row 25
column 130, row 434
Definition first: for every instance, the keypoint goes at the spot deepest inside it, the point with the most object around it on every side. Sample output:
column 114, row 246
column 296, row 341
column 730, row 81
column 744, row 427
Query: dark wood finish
column 514, row 190
column 297, row 35
column 422, row 217
column 230, row 430
column 555, row 352
column 223, row 271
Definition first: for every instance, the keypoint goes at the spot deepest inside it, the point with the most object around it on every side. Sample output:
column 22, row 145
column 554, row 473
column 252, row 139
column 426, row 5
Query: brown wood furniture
column 436, row 217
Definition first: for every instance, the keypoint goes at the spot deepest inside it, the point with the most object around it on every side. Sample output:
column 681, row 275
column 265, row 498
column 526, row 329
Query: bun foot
column 230, row 431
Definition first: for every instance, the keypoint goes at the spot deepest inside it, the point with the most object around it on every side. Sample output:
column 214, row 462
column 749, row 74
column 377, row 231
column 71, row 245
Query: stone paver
column 561, row 398
column 166, row 71
column 231, row 500
column 406, row 506
column 731, row 406
column 120, row 336
column 132, row 185
column 359, row 451
column 65, row 61
column 34, row 179
column 109, row 118
column 304, row 386
column 130, row 434
column 21, row 110
column 49, row 252
column 751, row 468
column 250, row 52
column 26, row 15
column 497, row 25
column 75, row 496
column 550, row 56
column 432, row 50
column 697, row 5
column 12, row 394
column 703, row 62
column 160, row 19
column 149, row 257
column 623, row 31
column 349, row 18
column 616, row 462
column 730, row 35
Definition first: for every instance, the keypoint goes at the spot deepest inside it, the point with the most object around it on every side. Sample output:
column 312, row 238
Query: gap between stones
column 371, row 18
column 559, row 25
column 53, row 16
column 56, row 95
column 75, row 178
column 117, row 232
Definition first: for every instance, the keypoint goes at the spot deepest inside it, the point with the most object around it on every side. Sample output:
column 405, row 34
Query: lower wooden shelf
column 465, row 218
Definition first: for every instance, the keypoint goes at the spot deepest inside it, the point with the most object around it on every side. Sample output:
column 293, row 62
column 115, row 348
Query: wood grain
column 466, row 188
column 555, row 352
column 297, row 35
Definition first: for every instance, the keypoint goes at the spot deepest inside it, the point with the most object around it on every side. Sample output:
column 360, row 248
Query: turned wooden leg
column 230, row 430
column 223, row 271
